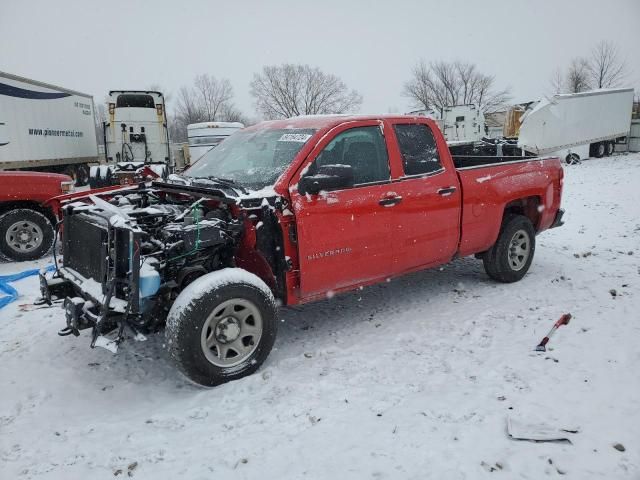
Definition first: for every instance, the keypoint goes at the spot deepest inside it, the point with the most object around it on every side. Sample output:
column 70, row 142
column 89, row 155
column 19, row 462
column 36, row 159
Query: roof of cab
column 328, row 121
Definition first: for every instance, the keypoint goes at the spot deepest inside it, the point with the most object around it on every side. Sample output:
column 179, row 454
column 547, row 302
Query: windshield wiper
column 227, row 182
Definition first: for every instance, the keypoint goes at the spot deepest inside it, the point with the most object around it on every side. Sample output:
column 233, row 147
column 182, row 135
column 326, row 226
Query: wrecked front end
column 127, row 257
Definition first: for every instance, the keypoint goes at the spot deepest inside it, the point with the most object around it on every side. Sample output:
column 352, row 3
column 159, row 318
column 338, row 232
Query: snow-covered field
column 412, row 379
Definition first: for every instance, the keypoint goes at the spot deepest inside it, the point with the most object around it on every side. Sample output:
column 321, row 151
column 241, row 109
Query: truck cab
column 135, row 136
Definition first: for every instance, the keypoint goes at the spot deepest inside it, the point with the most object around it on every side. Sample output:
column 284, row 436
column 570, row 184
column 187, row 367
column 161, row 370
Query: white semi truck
column 136, row 139
column 459, row 123
column 46, row 128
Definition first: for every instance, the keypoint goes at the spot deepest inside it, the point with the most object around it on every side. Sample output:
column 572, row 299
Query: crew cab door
column 344, row 233
column 426, row 223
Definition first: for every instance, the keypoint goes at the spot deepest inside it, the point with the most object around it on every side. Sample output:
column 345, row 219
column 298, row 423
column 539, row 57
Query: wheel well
column 528, row 206
column 8, row 206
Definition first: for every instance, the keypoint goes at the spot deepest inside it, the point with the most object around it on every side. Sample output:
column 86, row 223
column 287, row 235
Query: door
column 426, row 223
column 344, row 234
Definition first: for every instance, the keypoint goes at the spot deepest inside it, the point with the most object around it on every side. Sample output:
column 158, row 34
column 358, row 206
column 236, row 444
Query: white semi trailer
column 46, row 128
column 577, row 125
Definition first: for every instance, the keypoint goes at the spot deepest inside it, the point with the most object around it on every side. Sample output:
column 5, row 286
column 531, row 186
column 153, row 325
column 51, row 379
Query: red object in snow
column 564, row 320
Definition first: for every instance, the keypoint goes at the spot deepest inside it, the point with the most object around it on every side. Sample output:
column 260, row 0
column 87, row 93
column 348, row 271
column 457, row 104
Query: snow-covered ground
column 412, row 379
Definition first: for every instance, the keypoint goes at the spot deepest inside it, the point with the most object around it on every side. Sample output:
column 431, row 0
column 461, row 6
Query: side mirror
column 327, row 177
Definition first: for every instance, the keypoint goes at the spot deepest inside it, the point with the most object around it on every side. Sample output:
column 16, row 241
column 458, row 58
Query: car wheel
column 221, row 327
column 25, row 234
column 510, row 257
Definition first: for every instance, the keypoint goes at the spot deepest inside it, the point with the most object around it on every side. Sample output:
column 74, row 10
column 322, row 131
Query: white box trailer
column 47, row 128
column 577, row 125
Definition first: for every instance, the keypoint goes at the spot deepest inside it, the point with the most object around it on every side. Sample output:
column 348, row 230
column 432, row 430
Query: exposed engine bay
column 127, row 255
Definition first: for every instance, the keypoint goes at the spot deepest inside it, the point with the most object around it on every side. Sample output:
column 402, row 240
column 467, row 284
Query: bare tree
column 187, row 107
column 208, row 100
column 440, row 84
column 213, row 96
column 156, row 87
column 557, row 81
column 606, row 68
column 282, row 91
column 578, row 76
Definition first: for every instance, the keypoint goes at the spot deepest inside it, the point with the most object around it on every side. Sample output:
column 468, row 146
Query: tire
column 611, row 146
column 70, row 171
column 572, row 159
column 230, row 302
column 82, row 175
column 500, row 262
column 95, row 179
column 25, row 234
column 599, row 149
column 108, row 179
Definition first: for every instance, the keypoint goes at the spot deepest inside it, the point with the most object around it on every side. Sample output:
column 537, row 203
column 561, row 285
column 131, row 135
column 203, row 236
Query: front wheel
column 25, row 234
column 510, row 257
column 222, row 326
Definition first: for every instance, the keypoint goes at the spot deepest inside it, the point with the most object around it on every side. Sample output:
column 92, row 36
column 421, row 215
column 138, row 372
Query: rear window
column 212, row 140
column 135, row 100
column 418, row 149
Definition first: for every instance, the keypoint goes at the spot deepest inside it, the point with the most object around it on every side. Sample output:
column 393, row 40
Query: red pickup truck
column 288, row 212
column 26, row 222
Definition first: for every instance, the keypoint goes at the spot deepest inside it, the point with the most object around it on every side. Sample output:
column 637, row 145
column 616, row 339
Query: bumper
column 83, row 307
column 557, row 222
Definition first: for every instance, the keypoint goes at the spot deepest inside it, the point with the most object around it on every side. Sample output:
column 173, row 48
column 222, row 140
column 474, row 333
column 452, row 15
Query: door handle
column 446, row 191
column 390, row 201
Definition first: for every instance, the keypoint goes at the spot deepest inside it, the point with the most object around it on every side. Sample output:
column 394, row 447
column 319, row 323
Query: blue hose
column 10, row 293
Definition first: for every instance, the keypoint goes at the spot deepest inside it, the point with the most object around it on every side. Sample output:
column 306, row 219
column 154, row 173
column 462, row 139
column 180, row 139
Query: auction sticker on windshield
column 294, row 137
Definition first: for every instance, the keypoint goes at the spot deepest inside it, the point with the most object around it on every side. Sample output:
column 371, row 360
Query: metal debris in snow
column 539, row 432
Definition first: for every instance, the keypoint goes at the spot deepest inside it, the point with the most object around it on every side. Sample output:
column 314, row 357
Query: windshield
column 253, row 158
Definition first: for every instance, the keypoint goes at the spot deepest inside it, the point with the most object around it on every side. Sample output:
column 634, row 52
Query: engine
column 143, row 247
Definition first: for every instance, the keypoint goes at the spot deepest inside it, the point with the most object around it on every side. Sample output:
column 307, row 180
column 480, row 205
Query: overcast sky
column 372, row 45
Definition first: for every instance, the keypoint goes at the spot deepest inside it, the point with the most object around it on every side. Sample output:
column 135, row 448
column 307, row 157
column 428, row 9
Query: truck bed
column 530, row 186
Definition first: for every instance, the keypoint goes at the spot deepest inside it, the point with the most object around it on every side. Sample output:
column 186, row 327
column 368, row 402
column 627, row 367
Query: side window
column 363, row 149
column 418, row 148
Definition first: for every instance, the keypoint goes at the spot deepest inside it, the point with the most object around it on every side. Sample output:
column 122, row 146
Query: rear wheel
column 222, row 326
column 25, row 234
column 95, row 177
column 611, row 146
column 510, row 257
column 599, row 149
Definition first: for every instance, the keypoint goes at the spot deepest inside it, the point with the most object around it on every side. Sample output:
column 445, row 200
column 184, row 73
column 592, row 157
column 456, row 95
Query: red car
column 288, row 212
column 26, row 222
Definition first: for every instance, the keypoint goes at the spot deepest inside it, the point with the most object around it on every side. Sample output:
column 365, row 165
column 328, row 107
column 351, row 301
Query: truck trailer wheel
column 510, row 258
column 82, row 175
column 611, row 146
column 95, row 179
column 25, row 234
column 222, row 326
column 599, row 149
